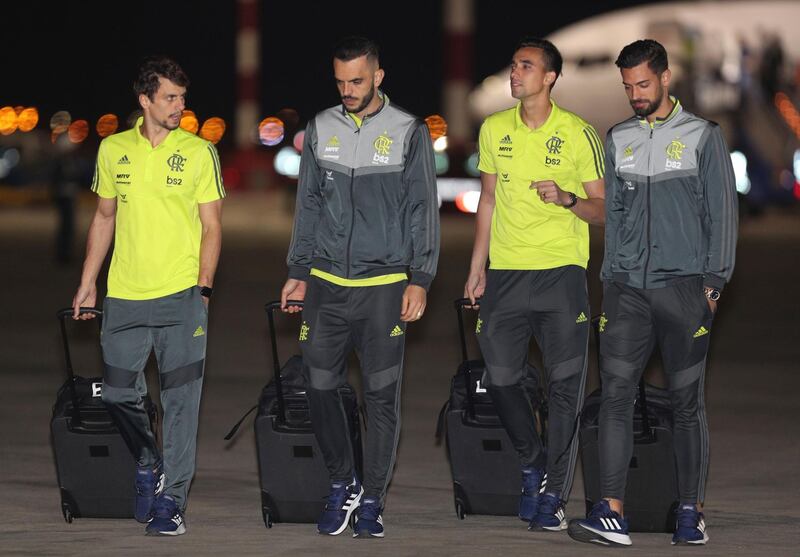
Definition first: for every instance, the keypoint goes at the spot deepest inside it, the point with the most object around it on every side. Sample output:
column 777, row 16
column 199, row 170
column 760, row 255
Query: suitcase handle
column 276, row 365
column 62, row 316
column 460, row 305
column 642, row 396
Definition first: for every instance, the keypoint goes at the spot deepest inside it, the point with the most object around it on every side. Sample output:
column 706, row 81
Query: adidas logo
column 581, row 318
column 124, row 160
column 701, row 331
column 304, row 329
column 506, row 140
column 610, row 523
column 198, row 332
column 478, row 326
column 396, row 332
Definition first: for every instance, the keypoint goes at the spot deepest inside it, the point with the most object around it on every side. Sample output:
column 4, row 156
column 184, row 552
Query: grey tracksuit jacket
column 671, row 205
column 366, row 202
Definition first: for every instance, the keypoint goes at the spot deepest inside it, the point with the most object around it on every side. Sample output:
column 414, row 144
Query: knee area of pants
column 112, row 396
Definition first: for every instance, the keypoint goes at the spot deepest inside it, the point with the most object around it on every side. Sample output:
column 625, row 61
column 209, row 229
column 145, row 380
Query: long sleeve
column 614, row 208
column 420, row 177
column 722, row 209
column 307, row 209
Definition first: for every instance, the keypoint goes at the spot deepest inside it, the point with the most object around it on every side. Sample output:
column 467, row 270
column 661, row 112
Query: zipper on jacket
column 352, row 200
column 647, row 208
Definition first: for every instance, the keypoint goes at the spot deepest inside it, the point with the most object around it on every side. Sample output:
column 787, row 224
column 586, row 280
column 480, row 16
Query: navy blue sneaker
column 533, row 482
column 549, row 514
column 690, row 527
column 342, row 501
column 167, row 518
column 149, row 485
column 603, row 526
column 369, row 522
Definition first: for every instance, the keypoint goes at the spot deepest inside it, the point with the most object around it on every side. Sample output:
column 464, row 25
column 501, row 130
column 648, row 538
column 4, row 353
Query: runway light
column 471, row 165
column 27, row 119
column 739, row 161
column 8, row 120
column 797, row 165
column 270, row 131
column 107, row 125
column 213, row 129
column 442, row 162
column 440, row 144
column 189, row 121
column 437, row 126
column 467, row 201
column 78, row 131
column 287, row 162
column 298, row 140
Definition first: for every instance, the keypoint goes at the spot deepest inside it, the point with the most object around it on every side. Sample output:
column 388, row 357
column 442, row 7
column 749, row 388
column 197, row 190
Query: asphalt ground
column 752, row 385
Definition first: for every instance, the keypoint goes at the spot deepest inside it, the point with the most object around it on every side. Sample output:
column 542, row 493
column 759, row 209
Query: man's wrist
column 206, row 291
column 712, row 293
column 573, row 200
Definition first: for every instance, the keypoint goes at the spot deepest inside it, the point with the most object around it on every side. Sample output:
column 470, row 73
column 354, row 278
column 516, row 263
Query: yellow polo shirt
column 526, row 233
column 158, row 230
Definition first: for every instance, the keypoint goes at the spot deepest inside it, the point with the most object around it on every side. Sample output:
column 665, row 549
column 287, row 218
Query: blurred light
column 213, row 129
column 450, row 188
column 471, row 166
column 18, row 109
column 739, row 161
column 270, row 131
column 797, row 190
column 60, row 121
column 440, row 144
column 299, row 137
column 8, row 120
column 4, row 168
column 11, row 157
column 442, row 162
column 107, row 125
column 189, row 122
column 289, row 117
column 797, row 165
column 437, row 126
column 467, row 201
column 231, row 177
column 27, row 119
column 788, row 111
column 78, row 131
column 287, row 162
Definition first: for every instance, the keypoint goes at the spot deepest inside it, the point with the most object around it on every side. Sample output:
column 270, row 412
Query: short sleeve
column 590, row 158
column 485, row 158
column 102, row 182
column 209, row 178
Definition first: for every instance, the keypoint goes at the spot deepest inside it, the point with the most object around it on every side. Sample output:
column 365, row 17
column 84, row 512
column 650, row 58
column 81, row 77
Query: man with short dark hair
column 671, row 224
column 160, row 200
column 363, row 254
column 541, row 187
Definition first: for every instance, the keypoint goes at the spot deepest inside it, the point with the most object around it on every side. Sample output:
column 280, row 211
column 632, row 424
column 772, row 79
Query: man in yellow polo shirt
column 160, row 199
column 541, row 185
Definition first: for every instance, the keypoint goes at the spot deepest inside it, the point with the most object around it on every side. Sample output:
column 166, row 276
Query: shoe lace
column 369, row 510
column 548, row 504
column 688, row 518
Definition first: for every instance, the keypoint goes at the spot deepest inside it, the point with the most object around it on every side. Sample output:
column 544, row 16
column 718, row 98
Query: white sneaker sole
column 606, row 538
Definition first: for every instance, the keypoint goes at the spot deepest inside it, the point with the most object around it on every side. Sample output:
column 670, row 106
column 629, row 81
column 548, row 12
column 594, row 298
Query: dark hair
column 644, row 50
column 552, row 57
column 351, row 48
column 154, row 67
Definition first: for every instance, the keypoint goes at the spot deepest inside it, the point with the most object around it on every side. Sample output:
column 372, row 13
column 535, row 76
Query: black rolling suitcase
column 292, row 473
column 651, row 494
column 484, row 464
column 95, row 469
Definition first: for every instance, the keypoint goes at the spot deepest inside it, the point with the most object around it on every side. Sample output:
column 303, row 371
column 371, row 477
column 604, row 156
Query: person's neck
column 535, row 110
column 154, row 133
column 373, row 106
column 663, row 111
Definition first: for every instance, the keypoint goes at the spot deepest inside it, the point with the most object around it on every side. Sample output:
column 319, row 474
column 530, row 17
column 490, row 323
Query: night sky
column 82, row 56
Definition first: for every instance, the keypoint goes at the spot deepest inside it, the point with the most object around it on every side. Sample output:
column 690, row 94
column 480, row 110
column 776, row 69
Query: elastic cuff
column 419, row 278
column 714, row 282
column 299, row 272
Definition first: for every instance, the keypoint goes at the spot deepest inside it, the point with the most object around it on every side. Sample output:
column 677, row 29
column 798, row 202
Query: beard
column 364, row 102
column 650, row 106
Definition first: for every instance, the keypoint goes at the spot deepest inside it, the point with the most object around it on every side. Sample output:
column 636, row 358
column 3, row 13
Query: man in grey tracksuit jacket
column 671, row 226
column 363, row 254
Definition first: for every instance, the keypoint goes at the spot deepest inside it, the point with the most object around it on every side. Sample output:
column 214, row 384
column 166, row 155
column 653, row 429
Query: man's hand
column 296, row 290
column 85, row 296
column 413, row 303
column 713, row 305
column 475, row 286
column 549, row 192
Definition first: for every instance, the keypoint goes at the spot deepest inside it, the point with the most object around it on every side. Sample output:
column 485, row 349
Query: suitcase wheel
column 67, row 513
column 267, row 518
column 460, row 512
